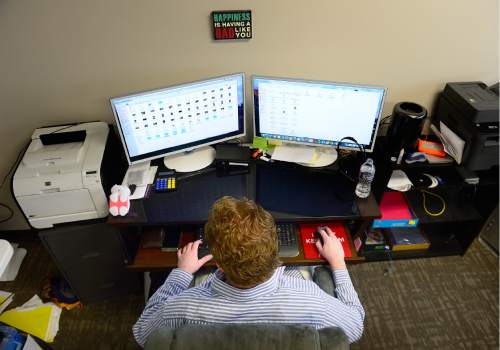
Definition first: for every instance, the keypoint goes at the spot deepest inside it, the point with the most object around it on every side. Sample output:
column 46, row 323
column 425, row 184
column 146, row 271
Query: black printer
column 470, row 109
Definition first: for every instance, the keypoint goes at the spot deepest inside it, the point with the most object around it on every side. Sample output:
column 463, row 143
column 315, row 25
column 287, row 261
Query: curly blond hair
column 243, row 240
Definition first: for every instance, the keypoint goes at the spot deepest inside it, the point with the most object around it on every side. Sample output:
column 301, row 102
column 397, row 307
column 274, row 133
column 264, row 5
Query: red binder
column 309, row 240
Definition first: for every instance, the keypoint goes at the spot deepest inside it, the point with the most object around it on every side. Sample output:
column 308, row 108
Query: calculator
column 165, row 181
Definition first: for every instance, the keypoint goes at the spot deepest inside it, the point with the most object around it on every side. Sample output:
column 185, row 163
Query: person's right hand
column 187, row 257
column 331, row 249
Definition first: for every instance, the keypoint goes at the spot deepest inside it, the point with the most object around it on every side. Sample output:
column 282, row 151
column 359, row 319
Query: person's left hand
column 187, row 257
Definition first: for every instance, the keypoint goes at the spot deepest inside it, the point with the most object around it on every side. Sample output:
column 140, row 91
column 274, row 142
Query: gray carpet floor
column 437, row 303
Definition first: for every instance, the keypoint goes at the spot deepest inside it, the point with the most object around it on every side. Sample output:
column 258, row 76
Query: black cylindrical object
column 406, row 127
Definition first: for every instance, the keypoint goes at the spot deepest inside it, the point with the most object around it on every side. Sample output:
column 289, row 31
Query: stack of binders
column 397, row 226
column 395, row 212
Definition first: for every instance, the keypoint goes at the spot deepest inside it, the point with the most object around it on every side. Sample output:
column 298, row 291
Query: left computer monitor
column 180, row 122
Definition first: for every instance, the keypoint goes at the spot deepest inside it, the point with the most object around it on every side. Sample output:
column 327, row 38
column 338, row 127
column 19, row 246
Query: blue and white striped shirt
column 283, row 299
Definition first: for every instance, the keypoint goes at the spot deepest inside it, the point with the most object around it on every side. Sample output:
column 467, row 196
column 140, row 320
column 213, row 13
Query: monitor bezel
column 342, row 145
column 181, row 148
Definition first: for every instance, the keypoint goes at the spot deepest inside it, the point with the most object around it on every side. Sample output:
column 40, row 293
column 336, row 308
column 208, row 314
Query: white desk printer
column 68, row 179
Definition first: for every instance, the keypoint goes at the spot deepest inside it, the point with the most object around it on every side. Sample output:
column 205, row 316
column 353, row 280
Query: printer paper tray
column 56, row 203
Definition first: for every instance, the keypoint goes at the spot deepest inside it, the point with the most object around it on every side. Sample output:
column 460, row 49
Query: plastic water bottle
column 366, row 175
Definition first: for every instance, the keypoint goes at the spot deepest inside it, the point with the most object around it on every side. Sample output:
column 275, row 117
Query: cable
column 237, row 140
column 341, row 158
column 383, row 120
column 13, row 166
column 361, row 148
column 425, row 206
column 18, row 158
column 11, row 213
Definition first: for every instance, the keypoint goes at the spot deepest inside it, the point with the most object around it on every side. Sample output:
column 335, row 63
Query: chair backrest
column 247, row 337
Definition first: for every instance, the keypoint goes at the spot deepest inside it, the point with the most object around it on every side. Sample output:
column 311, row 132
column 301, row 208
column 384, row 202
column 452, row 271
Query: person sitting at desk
column 249, row 285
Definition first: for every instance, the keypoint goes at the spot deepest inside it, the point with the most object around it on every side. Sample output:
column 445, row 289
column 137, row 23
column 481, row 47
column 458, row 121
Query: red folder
column 309, row 239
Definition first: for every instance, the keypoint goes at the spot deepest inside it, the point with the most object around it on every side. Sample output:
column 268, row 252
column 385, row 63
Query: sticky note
column 275, row 142
column 259, row 142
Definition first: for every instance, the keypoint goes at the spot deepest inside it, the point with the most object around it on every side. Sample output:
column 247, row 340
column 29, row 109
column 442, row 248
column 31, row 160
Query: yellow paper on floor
column 36, row 318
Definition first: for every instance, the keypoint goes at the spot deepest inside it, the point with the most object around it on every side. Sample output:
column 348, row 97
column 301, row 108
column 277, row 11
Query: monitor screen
column 316, row 112
column 160, row 122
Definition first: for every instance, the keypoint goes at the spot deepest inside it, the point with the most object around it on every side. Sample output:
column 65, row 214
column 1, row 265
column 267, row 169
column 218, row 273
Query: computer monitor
column 180, row 122
column 317, row 113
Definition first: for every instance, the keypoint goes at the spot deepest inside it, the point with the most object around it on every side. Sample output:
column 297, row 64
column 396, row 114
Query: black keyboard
column 287, row 238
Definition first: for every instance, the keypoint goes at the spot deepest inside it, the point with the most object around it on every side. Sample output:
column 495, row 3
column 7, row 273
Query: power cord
column 13, row 166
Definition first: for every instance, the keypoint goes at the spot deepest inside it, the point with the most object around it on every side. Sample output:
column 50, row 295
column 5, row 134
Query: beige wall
column 60, row 60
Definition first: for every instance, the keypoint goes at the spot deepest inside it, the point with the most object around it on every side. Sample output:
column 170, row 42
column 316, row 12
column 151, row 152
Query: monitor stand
column 324, row 156
column 191, row 160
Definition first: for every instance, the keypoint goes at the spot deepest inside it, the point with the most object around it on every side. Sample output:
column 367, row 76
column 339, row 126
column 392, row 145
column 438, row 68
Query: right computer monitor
column 317, row 112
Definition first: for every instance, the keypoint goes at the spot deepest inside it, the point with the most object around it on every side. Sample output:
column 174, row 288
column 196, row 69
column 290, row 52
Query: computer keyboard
column 287, row 238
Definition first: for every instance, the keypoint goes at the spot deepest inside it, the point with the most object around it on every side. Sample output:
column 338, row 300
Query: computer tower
column 406, row 126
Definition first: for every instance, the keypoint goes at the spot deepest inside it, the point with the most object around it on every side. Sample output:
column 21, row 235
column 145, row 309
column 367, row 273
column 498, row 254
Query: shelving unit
column 450, row 233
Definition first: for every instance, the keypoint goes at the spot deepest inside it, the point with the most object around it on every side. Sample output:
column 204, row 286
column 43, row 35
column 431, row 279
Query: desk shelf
column 151, row 259
column 195, row 194
column 450, row 233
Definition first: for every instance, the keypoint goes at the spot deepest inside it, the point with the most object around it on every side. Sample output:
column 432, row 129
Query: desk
column 196, row 193
column 92, row 255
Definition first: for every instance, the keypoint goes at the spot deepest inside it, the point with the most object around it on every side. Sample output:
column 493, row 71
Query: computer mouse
column 318, row 235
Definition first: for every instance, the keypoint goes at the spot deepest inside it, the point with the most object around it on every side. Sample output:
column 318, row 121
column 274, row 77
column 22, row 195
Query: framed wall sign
column 232, row 25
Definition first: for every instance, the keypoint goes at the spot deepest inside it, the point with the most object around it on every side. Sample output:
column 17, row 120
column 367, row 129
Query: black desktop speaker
column 406, row 127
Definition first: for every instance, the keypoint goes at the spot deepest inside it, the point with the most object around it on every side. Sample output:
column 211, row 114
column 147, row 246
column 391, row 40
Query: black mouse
column 318, row 235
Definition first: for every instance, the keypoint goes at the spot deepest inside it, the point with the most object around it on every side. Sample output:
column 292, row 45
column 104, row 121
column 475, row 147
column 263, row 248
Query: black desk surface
column 290, row 192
